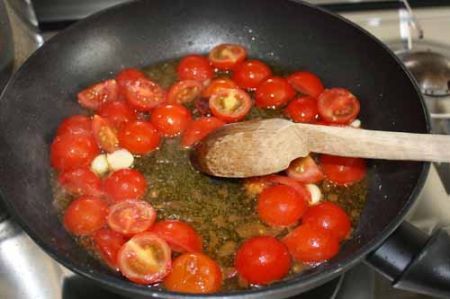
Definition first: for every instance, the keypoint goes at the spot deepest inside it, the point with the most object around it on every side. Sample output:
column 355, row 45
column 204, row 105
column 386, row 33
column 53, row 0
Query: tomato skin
column 218, row 84
column 81, row 181
column 184, row 92
column 329, row 216
column 98, row 94
column 281, row 205
column 338, row 105
column 199, row 129
column 343, row 170
column 305, row 170
column 306, row 83
column 130, row 217
column 144, row 259
column 218, row 106
column 108, row 244
column 227, row 56
column 128, row 75
column 171, row 119
column 251, row 73
column 180, row 236
column 194, row 67
column 105, row 134
column 262, row 260
column 73, row 151
column 85, row 215
column 273, row 92
column 125, row 184
column 139, row 137
column 303, row 110
column 76, row 124
column 194, row 273
column 144, row 94
column 311, row 244
column 118, row 113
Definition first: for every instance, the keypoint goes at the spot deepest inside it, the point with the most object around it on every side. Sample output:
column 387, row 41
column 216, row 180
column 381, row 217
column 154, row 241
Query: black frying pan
column 289, row 34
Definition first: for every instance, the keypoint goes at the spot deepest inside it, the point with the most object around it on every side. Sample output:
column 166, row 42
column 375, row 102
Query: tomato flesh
column 199, row 129
column 118, row 113
column 303, row 110
column 105, row 134
column 329, row 216
column 81, row 181
column 180, row 236
column 144, row 94
column 130, row 217
column 230, row 104
column 171, row 119
column 184, row 92
column 73, row 151
column 343, row 170
column 306, row 83
column 305, row 170
column 85, row 215
column 98, row 94
column 139, row 137
column 125, row 184
column 227, row 56
column 338, row 105
column 76, row 124
column 194, row 67
column 108, row 244
column 216, row 85
column 273, row 92
column 250, row 73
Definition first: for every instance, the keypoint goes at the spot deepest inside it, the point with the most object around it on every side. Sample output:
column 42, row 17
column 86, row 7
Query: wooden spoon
column 263, row 147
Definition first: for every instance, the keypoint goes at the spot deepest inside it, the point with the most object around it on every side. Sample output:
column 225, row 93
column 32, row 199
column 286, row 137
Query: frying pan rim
column 294, row 284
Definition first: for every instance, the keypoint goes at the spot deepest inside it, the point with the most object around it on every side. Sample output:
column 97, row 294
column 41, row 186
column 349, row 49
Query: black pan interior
column 289, row 34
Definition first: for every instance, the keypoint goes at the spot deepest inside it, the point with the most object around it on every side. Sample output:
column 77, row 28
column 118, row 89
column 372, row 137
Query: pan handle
column 414, row 261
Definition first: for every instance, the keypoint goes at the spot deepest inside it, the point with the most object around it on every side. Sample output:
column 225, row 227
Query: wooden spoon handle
column 351, row 142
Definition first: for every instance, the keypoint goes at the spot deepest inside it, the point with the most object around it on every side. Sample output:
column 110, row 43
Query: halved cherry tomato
column 76, row 124
column 230, row 104
column 73, row 151
column 216, row 85
column 128, row 75
column 171, row 119
column 105, row 134
column 343, row 170
column 85, row 215
column 281, row 205
column 311, row 244
column 338, row 105
column 125, row 184
column 250, row 73
column 227, row 56
column 262, row 260
column 118, row 113
column 199, row 129
column 287, row 181
column 194, row 273
column 139, row 137
column 180, row 236
column 306, row 83
column 98, row 94
column 81, row 181
column 329, row 216
column 130, row 217
column 305, row 170
column 273, row 92
column 194, row 67
column 256, row 185
column 144, row 94
column 144, row 259
column 108, row 244
column 184, row 92
column 302, row 110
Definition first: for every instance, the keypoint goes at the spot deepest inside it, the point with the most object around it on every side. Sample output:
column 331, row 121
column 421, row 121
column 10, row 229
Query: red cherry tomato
column 230, row 104
column 144, row 94
column 130, row 217
column 73, row 151
column 194, row 273
column 85, row 215
column 302, row 110
column 343, row 170
column 227, row 56
column 180, row 236
column 144, row 259
column 287, row 181
column 281, row 205
column 76, row 124
column 338, row 105
column 105, row 134
column 262, row 260
column 125, row 184
column 98, row 94
column 118, row 113
column 199, row 129
column 184, row 92
column 306, row 83
column 139, row 137
column 305, row 170
column 311, row 244
column 108, row 244
column 216, row 85
column 128, row 75
column 273, row 92
column 171, row 119
column 250, row 73
column 194, row 67
column 81, row 181
column 329, row 216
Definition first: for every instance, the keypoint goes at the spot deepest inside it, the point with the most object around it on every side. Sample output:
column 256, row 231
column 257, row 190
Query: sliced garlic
column 100, row 165
column 355, row 124
column 316, row 194
column 120, row 159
